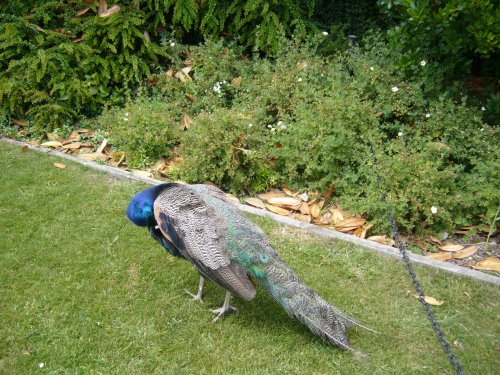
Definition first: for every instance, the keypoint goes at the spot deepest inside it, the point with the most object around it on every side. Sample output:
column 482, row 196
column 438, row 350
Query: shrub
column 451, row 35
column 225, row 148
column 145, row 129
column 317, row 121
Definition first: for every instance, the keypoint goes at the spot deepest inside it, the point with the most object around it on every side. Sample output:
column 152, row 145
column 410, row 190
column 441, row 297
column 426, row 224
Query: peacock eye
column 264, row 258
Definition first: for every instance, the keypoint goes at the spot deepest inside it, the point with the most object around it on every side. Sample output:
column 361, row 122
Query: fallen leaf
column 464, row 253
column 304, row 218
column 380, row 239
column 51, row 144
column 82, row 12
column 101, row 147
column 315, row 210
column 232, row 198
column 488, row 264
column 256, row 202
column 190, row 97
column 59, row 165
column 236, row 81
column 114, row 9
column 169, row 73
column 440, row 256
column 287, row 202
column 271, row 194
column 337, row 216
column 345, row 229
column 304, row 209
column 288, row 192
column 434, row 240
column 186, row 122
column 72, row 146
column 141, row 173
column 277, row 210
column 351, row 222
column 186, row 70
column 430, row 300
column 24, row 149
column 365, row 229
column 451, row 247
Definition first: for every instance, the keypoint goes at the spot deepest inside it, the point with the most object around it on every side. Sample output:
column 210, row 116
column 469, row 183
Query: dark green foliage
column 460, row 37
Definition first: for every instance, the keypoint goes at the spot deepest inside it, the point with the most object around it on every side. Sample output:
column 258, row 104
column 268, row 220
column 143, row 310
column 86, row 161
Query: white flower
column 372, row 68
column 125, row 119
column 269, row 126
column 423, row 63
column 427, row 115
column 299, row 79
column 400, row 134
column 216, row 88
column 483, row 108
column 434, row 210
column 394, row 89
column 250, row 125
column 41, row 365
column 273, row 129
column 172, row 44
column 325, row 33
column 482, row 129
column 127, row 114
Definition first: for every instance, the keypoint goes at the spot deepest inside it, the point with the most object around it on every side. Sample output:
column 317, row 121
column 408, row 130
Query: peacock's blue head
column 140, row 209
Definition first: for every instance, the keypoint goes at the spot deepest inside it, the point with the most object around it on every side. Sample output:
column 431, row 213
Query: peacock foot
column 197, row 296
column 225, row 309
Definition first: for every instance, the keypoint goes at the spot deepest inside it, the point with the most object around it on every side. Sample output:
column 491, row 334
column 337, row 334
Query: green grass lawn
column 84, row 291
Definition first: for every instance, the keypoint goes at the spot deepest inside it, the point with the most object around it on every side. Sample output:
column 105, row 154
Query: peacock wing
column 199, row 232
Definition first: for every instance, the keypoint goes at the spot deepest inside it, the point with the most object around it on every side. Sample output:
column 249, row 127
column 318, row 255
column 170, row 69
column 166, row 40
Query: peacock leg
column 225, row 309
column 197, row 296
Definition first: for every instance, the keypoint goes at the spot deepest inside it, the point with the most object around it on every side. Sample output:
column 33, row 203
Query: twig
column 492, row 225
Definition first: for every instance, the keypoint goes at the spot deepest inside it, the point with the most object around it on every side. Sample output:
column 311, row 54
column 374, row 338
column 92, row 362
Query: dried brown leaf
column 232, row 198
column 440, row 256
column 271, row 194
column 286, row 202
column 100, row 149
column 256, row 202
column 24, row 149
column 190, row 97
column 451, row 247
column 51, row 144
column 464, row 253
column 431, row 300
column 82, row 12
column 277, row 210
column 72, row 146
column 59, row 165
column 351, row 222
column 304, row 218
column 236, row 81
column 304, row 209
column 315, row 210
column 186, row 122
column 488, row 264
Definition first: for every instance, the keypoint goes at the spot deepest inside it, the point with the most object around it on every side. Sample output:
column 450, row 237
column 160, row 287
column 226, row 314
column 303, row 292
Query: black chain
column 455, row 363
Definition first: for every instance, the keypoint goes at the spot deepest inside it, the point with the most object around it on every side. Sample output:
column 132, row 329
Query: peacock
column 200, row 224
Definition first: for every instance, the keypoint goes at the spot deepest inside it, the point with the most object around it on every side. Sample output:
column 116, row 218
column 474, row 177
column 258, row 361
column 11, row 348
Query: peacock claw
column 195, row 297
column 222, row 311
column 225, row 309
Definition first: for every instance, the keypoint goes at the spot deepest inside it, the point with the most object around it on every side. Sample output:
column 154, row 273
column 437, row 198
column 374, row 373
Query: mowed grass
column 84, row 291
